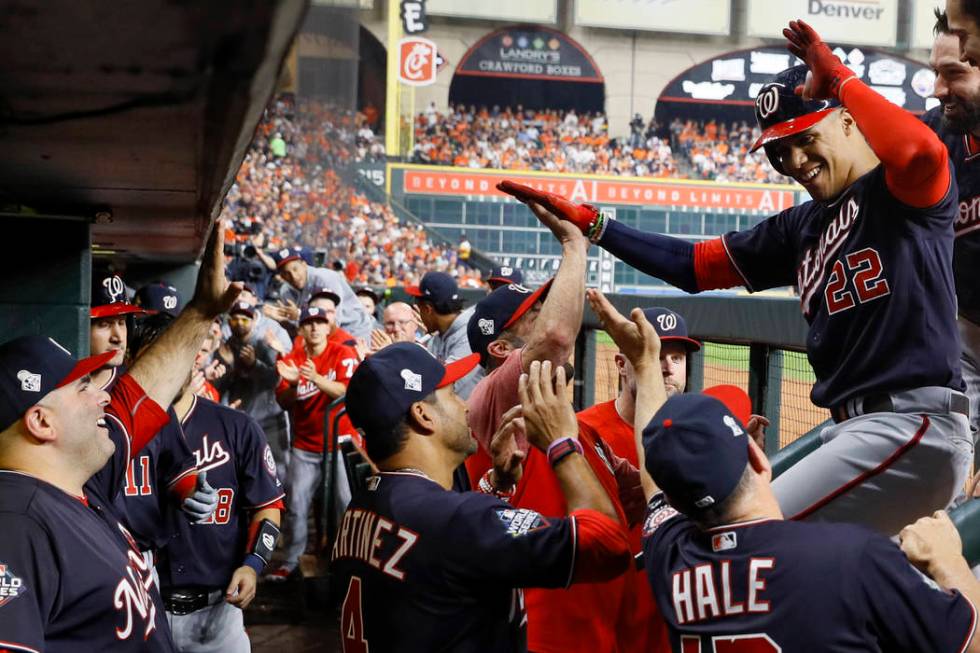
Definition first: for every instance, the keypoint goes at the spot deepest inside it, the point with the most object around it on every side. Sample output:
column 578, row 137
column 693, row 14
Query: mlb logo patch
column 724, row 542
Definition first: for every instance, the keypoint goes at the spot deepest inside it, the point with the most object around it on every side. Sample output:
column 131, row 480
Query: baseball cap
column 436, row 287
column 780, row 112
column 497, row 312
column 33, row 366
column 242, row 308
column 670, row 326
column 504, row 274
column 159, row 297
column 311, row 313
column 109, row 298
column 387, row 383
column 367, row 291
column 287, row 254
column 326, row 292
column 696, row 451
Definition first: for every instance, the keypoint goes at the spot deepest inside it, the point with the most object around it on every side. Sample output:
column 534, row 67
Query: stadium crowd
column 565, row 141
column 289, row 191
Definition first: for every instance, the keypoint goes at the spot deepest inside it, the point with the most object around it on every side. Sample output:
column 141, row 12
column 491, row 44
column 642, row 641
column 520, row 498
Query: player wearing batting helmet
column 428, row 569
column 871, row 258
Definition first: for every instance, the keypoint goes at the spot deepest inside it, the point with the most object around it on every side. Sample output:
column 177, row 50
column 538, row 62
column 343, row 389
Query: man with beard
column 957, row 122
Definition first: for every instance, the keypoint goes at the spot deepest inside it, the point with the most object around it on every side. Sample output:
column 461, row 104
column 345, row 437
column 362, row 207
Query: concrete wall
column 636, row 65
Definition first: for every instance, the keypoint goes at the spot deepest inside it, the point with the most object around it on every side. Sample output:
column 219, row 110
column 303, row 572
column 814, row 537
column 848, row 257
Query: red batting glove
column 827, row 72
column 582, row 216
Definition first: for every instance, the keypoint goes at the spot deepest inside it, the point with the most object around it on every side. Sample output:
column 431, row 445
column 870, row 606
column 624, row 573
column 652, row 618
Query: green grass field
column 795, row 365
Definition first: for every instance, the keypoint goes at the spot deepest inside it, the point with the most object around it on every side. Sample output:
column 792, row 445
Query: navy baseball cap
column 33, row 366
column 436, row 287
column 159, row 297
column 368, row 291
column 497, row 312
column 387, row 383
column 504, row 274
column 311, row 313
column 696, row 451
column 780, row 112
column 326, row 292
column 242, row 308
column 109, row 298
column 287, row 254
column 670, row 326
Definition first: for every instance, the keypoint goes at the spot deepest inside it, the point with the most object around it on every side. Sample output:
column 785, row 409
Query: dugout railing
column 754, row 342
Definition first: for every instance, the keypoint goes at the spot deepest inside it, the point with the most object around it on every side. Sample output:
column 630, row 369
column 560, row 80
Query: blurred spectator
column 277, row 201
column 249, row 356
column 401, row 324
column 504, row 275
column 441, row 310
column 721, row 152
column 302, row 280
column 311, row 378
column 370, row 300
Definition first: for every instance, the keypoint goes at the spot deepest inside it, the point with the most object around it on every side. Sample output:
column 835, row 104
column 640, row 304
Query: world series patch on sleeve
column 11, row 586
column 521, row 521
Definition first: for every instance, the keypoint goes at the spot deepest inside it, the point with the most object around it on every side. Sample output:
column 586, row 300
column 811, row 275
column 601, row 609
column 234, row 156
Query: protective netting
column 790, row 375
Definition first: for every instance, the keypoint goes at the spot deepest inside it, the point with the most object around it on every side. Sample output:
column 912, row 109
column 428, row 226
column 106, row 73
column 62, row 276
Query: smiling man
column 957, row 122
column 871, row 257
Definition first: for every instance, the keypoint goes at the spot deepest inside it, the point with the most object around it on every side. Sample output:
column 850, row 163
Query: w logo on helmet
column 767, row 102
column 667, row 321
column 114, row 288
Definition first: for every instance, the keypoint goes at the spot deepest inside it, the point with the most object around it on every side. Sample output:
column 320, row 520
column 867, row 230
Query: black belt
column 958, row 403
column 185, row 600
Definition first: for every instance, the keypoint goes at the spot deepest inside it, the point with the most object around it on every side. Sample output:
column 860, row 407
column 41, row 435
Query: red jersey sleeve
column 140, row 417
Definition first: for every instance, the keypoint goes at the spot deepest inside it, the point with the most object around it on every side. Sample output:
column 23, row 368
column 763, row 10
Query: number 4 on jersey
column 754, row 643
column 352, row 620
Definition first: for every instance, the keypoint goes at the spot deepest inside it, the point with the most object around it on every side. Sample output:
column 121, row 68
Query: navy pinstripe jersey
column 426, row 570
column 964, row 152
column 875, row 279
column 771, row 585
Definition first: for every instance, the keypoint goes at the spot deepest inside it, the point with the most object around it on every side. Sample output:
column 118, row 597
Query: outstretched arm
column 163, row 368
column 915, row 160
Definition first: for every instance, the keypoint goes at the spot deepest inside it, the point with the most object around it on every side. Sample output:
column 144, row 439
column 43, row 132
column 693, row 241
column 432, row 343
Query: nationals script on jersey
column 767, row 586
column 875, row 282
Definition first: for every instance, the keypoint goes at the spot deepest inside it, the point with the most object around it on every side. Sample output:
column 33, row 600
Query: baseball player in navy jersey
column 871, row 257
column 730, row 574
column 73, row 578
column 109, row 326
column 957, row 122
column 428, row 569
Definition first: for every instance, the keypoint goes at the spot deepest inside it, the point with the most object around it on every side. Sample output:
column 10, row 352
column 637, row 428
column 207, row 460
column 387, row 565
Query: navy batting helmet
column 780, row 112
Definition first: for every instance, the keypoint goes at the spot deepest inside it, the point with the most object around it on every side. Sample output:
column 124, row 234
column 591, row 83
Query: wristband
column 488, row 488
column 561, row 449
column 262, row 538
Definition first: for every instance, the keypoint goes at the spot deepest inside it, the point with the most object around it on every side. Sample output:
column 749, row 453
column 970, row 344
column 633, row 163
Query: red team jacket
column 337, row 363
column 583, row 617
column 641, row 627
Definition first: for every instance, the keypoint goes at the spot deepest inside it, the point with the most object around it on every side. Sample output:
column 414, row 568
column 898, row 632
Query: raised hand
column 273, row 342
column 308, row 370
column 548, row 415
column 827, row 72
column 247, row 355
column 505, row 452
column 213, row 295
column 636, row 337
column 288, row 371
column 554, row 211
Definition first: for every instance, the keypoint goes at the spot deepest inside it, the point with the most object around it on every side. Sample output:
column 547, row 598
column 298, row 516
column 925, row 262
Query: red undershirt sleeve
column 915, row 160
column 602, row 548
column 713, row 269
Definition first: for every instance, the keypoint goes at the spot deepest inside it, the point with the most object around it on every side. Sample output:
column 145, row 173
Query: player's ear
column 38, row 420
column 759, row 461
column 421, row 416
column 500, row 348
column 847, row 121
